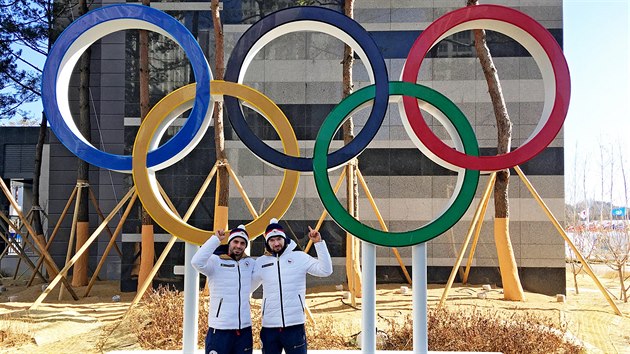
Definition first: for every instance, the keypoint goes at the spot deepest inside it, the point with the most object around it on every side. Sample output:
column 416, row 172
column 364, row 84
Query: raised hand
column 314, row 235
column 221, row 234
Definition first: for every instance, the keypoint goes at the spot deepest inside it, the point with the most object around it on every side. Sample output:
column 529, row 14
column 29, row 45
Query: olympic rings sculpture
column 148, row 157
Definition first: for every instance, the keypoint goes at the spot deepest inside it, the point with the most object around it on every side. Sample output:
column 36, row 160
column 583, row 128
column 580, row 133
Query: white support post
column 368, row 302
column 419, row 280
column 191, row 300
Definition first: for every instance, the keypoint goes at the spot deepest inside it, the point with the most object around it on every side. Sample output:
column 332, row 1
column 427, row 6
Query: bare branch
column 26, row 62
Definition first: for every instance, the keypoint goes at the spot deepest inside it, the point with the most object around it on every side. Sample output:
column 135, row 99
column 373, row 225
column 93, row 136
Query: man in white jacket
column 229, row 273
column 282, row 271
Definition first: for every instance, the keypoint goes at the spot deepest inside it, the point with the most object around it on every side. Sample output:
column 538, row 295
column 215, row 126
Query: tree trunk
column 39, row 151
column 80, row 270
column 512, row 288
column 353, row 245
column 35, row 202
column 223, row 182
column 147, row 252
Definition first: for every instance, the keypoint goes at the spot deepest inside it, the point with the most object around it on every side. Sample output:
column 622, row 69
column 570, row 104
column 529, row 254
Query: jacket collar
column 225, row 256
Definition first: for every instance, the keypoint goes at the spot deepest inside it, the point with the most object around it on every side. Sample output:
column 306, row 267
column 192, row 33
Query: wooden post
column 73, row 229
column 382, row 222
column 100, row 214
column 241, row 190
column 54, row 233
column 82, row 250
column 324, row 213
column 112, row 241
column 169, row 245
column 40, row 245
column 18, row 249
column 473, row 246
column 202, row 190
column 458, row 262
column 147, row 282
column 566, row 238
column 6, row 249
column 19, row 232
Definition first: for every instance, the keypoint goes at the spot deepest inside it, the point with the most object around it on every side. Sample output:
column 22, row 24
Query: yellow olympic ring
column 160, row 117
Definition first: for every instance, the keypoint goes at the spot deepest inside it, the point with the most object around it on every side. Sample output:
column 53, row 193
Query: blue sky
column 597, row 48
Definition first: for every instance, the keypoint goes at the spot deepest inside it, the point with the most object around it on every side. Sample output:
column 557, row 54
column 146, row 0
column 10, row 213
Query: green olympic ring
column 462, row 197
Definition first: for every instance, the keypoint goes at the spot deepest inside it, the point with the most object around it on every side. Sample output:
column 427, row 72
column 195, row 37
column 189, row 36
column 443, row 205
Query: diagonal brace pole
column 112, row 241
column 82, row 250
column 342, row 176
column 171, row 242
column 566, row 238
column 19, row 250
column 100, row 214
column 40, row 245
column 55, row 230
column 73, row 227
column 382, row 222
column 473, row 246
column 476, row 218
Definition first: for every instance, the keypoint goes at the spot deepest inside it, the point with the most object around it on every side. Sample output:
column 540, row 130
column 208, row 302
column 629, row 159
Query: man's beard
column 235, row 256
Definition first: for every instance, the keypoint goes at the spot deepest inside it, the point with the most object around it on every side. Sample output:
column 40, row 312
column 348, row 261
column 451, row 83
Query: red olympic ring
column 541, row 45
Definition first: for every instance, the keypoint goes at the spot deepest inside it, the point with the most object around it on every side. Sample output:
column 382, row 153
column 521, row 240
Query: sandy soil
column 84, row 326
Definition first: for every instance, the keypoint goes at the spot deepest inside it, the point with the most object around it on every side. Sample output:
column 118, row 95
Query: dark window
column 19, row 161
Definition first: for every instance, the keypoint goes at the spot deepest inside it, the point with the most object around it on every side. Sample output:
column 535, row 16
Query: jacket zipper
column 264, row 304
column 301, row 303
column 219, row 309
column 238, row 268
column 280, row 285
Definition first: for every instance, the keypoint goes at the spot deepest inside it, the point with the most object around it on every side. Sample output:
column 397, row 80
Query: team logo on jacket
column 290, row 261
column 246, row 263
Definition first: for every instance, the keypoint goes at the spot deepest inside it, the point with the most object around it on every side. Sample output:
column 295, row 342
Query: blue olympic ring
column 80, row 35
column 323, row 19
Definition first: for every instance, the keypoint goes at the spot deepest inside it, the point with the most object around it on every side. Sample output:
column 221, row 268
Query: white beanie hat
column 239, row 232
column 274, row 229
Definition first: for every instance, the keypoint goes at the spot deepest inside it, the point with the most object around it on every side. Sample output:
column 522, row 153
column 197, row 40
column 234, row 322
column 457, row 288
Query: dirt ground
column 84, row 326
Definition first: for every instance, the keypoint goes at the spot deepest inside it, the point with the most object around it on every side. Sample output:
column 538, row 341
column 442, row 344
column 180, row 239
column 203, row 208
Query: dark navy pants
column 292, row 339
column 230, row 341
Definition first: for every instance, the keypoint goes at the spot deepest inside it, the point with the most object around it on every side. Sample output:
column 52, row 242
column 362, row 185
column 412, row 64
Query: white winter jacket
column 229, row 283
column 284, row 283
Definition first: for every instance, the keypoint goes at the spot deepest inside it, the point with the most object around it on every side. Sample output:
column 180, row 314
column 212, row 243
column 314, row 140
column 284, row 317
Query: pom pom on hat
column 274, row 229
column 239, row 232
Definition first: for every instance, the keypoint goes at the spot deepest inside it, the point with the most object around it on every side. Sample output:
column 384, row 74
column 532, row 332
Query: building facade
column 302, row 73
column 17, row 152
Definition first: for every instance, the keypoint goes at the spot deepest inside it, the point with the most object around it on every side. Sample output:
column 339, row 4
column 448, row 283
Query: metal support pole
column 368, row 303
column 419, row 281
column 191, row 300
